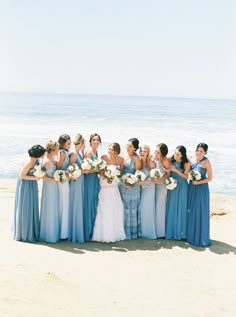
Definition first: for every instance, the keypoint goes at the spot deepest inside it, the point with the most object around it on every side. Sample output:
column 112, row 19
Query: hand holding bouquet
column 194, row 175
column 156, row 173
column 129, row 180
column 99, row 164
column 111, row 172
column 39, row 170
column 140, row 176
column 60, row 176
column 170, row 183
column 73, row 170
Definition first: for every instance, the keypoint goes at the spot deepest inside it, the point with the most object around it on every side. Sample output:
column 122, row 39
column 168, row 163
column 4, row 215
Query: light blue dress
column 64, row 192
column 176, row 209
column 91, row 190
column 26, row 210
column 198, row 224
column 147, row 208
column 76, row 224
column 131, row 201
column 161, row 197
column 49, row 213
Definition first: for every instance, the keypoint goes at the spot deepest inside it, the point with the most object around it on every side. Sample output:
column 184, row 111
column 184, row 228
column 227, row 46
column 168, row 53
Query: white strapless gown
column 109, row 223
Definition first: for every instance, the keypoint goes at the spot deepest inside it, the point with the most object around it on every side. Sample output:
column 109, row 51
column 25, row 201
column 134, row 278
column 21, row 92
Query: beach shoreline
column 128, row 278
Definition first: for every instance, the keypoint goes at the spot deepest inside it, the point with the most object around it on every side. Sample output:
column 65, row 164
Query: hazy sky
column 168, row 48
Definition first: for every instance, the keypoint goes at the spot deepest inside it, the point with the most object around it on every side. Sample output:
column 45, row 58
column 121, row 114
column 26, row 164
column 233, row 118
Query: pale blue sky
column 168, row 48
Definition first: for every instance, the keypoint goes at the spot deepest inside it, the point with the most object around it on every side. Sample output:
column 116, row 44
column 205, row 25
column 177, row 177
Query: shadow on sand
column 140, row 244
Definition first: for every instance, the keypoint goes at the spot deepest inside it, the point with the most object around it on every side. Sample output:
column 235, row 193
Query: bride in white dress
column 109, row 223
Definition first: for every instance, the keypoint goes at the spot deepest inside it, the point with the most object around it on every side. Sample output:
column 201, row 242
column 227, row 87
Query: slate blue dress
column 198, row 223
column 176, row 209
column 131, row 201
column 76, row 223
column 26, row 210
column 161, row 198
column 49, row 212
column 147, row 208
column 91, row 190
column 64, row 192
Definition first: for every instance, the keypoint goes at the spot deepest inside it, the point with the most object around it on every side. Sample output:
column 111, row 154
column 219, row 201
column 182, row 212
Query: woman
column 49, row 213
column 109, row 224
column 147, row 202
column 26, row 211
column 76, row 225
column 176, row 209
column 198, row 225
column 131, row 195
column 64, row 188
column 91, row 188
column 161, row 163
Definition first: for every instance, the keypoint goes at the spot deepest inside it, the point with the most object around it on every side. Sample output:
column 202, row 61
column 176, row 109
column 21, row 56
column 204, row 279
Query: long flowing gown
column 176, row 209
column 49, row 212
column 26, row 210
column 91, row 190
column 109, row 224
column 131, row 202
column 147, row 208
column 161, row 197
column 76, row 224
column 198, row 223
column 64, row 192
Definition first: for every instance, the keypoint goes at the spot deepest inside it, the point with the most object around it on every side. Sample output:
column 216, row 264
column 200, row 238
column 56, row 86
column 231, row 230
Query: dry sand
column 131, row 278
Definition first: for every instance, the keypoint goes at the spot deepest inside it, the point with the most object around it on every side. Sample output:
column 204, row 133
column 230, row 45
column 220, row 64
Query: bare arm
column 61, row 159
column 186, row 170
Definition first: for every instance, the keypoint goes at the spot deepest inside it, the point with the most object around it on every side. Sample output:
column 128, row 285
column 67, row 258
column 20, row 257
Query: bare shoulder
column 120, row 160
column 88, row 154
column 166, row 162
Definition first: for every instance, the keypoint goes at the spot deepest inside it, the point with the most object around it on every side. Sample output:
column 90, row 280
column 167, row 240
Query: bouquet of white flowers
column 170, row 183
column 140, row 176
column 73, row 170
column 86, row 164
column 111, row 172
column 39, row 170
column 99, row 164
column 194, row 175
column 60, row 176
column 129, row 179
column 156, row 173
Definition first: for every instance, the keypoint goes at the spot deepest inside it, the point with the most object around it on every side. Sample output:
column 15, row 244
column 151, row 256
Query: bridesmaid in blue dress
column 147, row 201
column 91, row 188
column 176, row 209
column 64, row 188
column 198, row 225
column 26, row 209
column 76, row 223
column 49, row 213
column 163, row 164
column 131, row 195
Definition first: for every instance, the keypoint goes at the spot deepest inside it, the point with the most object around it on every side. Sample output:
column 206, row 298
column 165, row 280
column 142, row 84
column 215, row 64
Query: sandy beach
column 130, row 278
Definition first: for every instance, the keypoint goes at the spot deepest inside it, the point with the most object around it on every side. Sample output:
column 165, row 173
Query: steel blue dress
column 131, row 201
column 76, row 224
column 147, row 208
column 64, row 192
column 176, row 209
column 49, row 212
column 91, row 190
column 26, row 210
column 161, row 197
column 198, row 224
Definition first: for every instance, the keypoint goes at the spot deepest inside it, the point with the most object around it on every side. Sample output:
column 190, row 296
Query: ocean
column 27, row 119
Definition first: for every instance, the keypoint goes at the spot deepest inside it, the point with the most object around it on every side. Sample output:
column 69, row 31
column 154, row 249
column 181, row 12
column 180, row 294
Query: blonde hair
column 147, row 147
column 78, row 138
column 51, row 146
